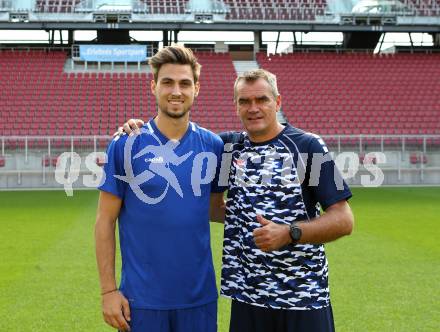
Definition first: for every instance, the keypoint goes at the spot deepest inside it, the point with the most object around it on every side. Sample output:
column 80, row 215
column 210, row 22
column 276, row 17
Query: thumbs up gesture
column 271, row 236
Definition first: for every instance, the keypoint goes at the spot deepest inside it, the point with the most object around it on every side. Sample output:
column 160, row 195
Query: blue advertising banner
column 113, row 53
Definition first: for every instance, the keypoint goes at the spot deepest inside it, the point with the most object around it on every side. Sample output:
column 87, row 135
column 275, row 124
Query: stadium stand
column 359, row 102
column 331, row 93
column 272, row 10
column 165, row 7
column 258, row 10
column 326, row 93
column 56, row 6
column 424, row 7
column 214, row 108
column 39, row 99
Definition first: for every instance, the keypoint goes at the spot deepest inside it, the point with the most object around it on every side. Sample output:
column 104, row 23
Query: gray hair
column 253, row 75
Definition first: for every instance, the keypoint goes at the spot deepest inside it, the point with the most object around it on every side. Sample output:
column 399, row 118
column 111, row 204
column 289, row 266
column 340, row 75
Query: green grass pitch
column 384, row 277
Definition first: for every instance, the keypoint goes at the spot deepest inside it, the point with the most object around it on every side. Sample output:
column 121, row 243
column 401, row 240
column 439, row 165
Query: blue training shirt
column 165, row 187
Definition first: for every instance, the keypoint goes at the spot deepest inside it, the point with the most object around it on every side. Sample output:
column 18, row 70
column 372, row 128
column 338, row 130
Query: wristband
column 108, row 292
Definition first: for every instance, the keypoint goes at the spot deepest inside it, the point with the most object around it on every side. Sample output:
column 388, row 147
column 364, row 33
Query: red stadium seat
column 54, row 161
column 418, row 158
column 45, row 161
column 100, row 161
column 363, row 159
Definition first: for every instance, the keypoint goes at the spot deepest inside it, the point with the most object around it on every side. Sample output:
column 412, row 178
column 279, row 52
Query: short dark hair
column 175, row 54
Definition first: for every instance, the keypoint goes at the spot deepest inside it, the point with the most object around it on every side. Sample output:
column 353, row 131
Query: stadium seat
column 54, row 161
column 418, row 158
column 363, row 159
column 45, row 161
column 100, row 161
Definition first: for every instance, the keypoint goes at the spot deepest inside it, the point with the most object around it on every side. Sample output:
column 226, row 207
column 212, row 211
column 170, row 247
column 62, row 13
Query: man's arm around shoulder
column 115, row 307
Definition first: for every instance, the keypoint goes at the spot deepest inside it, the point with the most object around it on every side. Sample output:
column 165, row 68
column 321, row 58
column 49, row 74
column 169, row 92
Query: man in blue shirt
column 158, row 185
column 274, row 264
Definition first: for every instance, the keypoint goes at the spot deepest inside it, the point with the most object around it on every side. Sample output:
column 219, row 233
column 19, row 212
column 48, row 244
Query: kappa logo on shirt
column 164, row 157
column 155, row 160
column 164, row 161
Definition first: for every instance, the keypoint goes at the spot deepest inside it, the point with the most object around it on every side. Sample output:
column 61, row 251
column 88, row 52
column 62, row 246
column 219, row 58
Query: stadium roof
column 232, row 15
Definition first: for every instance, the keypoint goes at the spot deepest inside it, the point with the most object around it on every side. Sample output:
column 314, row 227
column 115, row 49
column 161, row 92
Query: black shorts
column 251, row 318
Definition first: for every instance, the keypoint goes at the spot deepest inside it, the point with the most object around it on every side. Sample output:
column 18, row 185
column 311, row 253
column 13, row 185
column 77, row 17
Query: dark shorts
column 196, row 319
column 250, row 318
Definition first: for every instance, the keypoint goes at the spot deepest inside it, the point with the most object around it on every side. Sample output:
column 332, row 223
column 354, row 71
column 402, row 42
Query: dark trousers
column 250, row 318
column 196, row 319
